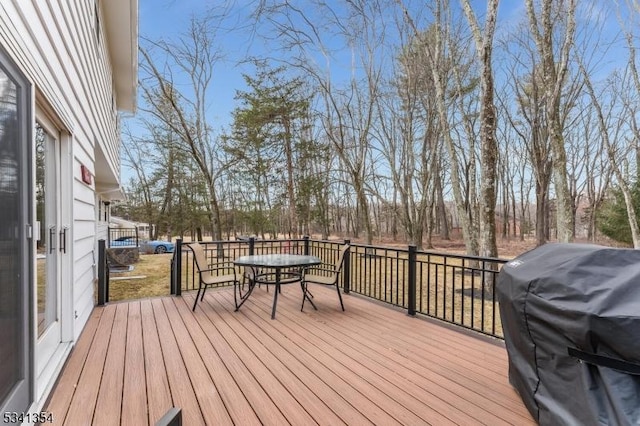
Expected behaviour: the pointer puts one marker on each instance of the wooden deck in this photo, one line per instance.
(368, 365)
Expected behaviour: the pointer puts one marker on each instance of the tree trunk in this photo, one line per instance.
(541, 215)
(441, 208)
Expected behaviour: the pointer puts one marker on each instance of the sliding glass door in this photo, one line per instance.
(15, 240)
(50, 241)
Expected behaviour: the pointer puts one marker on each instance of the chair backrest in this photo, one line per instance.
(199, 256)
(340, 262)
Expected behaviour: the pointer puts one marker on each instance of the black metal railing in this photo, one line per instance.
(103, 274)
(458, 289)
(123, 237)
(184, 273)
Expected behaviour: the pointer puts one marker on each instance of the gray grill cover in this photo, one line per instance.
(583, 299)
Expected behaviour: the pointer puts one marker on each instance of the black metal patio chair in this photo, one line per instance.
(324, 274)
(209, 275)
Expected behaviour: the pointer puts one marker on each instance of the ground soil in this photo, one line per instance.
(507, 248)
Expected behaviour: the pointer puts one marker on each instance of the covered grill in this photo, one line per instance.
(571, 320)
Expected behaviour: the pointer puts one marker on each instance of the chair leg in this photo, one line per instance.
(237, 292)
(305, 295)
(195, 302)
(203, 290)
(243, 297)
(340, 297)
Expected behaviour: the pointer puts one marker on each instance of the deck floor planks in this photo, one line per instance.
(134, 391)
(402, 406)
(342, 387)
(418, 369)
(182, 392)
(157, 381)
(376, 375)
(384, 328)
(339, 396)
(350, 336)
(318, 357)
(67, 383)
(314, 406)
(206, 392)
(442, 360)
(252, 389)
(82, 407)
(266, 375)
(235, 402)
(110, 391)
(444, 357)
(479, 396)
(259, 329)
(324, 366)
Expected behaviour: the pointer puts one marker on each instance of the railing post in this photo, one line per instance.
(252, 242)
(411, 302)
(346, 270)
(178, 271)
(173, 277)
(103, 279)
(306, 245)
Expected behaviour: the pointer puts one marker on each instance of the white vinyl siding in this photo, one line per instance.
(54, 43)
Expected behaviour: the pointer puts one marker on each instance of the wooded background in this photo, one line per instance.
(447, 121)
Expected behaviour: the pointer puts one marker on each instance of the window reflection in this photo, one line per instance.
(8, 136)
(11, 280)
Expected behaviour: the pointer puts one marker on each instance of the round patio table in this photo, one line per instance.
(275, 263)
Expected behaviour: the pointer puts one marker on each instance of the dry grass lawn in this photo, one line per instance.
(149, 278)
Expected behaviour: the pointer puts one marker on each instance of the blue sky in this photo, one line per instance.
(168, 18)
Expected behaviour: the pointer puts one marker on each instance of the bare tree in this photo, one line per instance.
(488, 144)
(410, 139)
(441, 66)
(195, 55)
(348, 111)
(542, 24)
(597, 170)
(615, 152)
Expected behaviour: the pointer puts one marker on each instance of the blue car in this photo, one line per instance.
(123, 242)
(157, 247)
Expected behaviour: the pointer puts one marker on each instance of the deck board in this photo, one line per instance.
(83, 403)
(182, 392)
(367, 365)
(436, 370)
(157, 381)
(111, 385)
(134, 407)
(66, 385)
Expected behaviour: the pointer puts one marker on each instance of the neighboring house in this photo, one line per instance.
(67, 68)
(143, 228)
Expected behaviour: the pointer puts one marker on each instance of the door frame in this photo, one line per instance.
(47, 118)
(23, 394)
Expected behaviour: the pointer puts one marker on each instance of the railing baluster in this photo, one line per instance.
(346, 270)
(103, 277)
(178, 272)
(412, 281)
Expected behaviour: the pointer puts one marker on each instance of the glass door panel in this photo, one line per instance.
(47, 229)
(15, 350)
(48, 254)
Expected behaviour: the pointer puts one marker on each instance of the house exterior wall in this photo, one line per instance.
(63, 49)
